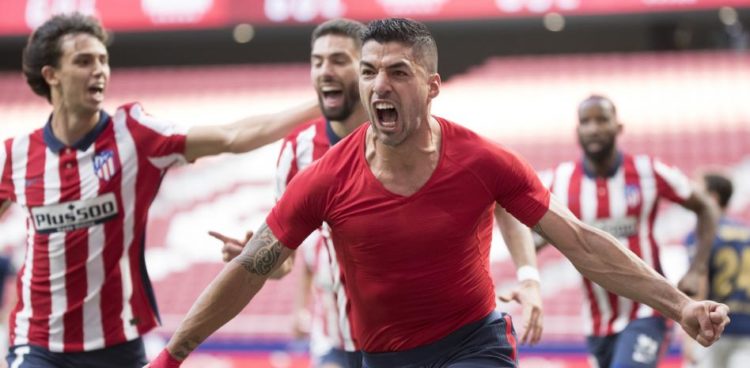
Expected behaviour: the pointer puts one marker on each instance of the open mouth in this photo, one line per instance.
(97, 91)
(332, 96)
(386, 113)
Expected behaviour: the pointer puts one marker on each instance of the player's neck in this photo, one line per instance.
(405, 168)
(603, 167)
(420, 151)
(70, 126)
(343, 128)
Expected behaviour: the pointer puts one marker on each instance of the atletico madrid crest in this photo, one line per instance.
(104, 164)
(633, 196)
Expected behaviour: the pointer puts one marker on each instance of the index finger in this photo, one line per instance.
(220, 236)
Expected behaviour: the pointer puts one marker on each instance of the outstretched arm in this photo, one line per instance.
(518, 239)
(4, 207)
(694, 281)
(246, 134)
(227, 294)
(599, 257)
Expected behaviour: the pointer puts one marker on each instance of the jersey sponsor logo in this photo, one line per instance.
(618, 227)
(74, 215)
(104, 164)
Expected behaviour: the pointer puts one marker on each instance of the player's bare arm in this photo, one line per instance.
(4, 207)
(520, 244)
(233, 247)
(707, 212)
(599, 257)
(229, 292)
(246, 134)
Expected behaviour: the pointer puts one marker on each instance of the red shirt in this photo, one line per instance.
(302, 147)
(83, 285)
(415, 268)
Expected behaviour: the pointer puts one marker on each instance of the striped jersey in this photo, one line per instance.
(330, 327)
(623, 204)
(83, 284)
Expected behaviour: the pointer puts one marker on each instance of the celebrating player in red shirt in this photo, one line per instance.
(409, 199)
(87, 180)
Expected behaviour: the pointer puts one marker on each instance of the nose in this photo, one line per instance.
(100, 67)
(381, 84)
(326, 69)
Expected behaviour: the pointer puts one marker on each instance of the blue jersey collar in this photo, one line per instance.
(333, 138)
(55, 145)
(618, 162)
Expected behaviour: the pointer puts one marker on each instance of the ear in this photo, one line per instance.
(434, 82)
(50, 75)
(620, 127)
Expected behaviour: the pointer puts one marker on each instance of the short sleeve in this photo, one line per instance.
(302, 207)
(161, 142)
(671, 183)
(517, 188)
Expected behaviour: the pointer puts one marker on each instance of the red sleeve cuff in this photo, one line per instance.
(165, 360)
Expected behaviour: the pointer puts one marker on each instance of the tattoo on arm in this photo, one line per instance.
(262, 254)
(184, 349)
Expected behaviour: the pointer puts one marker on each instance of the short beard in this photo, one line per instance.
(602, 155)
(346, 110)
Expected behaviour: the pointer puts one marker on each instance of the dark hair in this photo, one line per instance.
(721, 185)
(408, 32)
(596, 97)
(43, 46)
(342, 27)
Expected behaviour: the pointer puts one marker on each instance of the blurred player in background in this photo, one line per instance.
(334, 58)
(409, 200)
(729, 283)
(334, 61)
(86, 180)
(619, 193)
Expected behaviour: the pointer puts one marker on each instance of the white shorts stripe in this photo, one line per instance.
(21, 353)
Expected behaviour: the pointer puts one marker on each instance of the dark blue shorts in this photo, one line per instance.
(341, 358)
(126, 355)
(489, 342)
(639, 345)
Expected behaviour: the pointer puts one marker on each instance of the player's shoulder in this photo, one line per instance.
(460, 139)
(131, 111)
(311, 128)
(344, 155)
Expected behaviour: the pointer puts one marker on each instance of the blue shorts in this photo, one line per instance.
(489, 342)
(126, 355)
(341, 358)
(639, 345)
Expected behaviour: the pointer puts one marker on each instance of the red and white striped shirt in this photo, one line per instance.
(83, 284)
(330, 326)
(624, 205)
